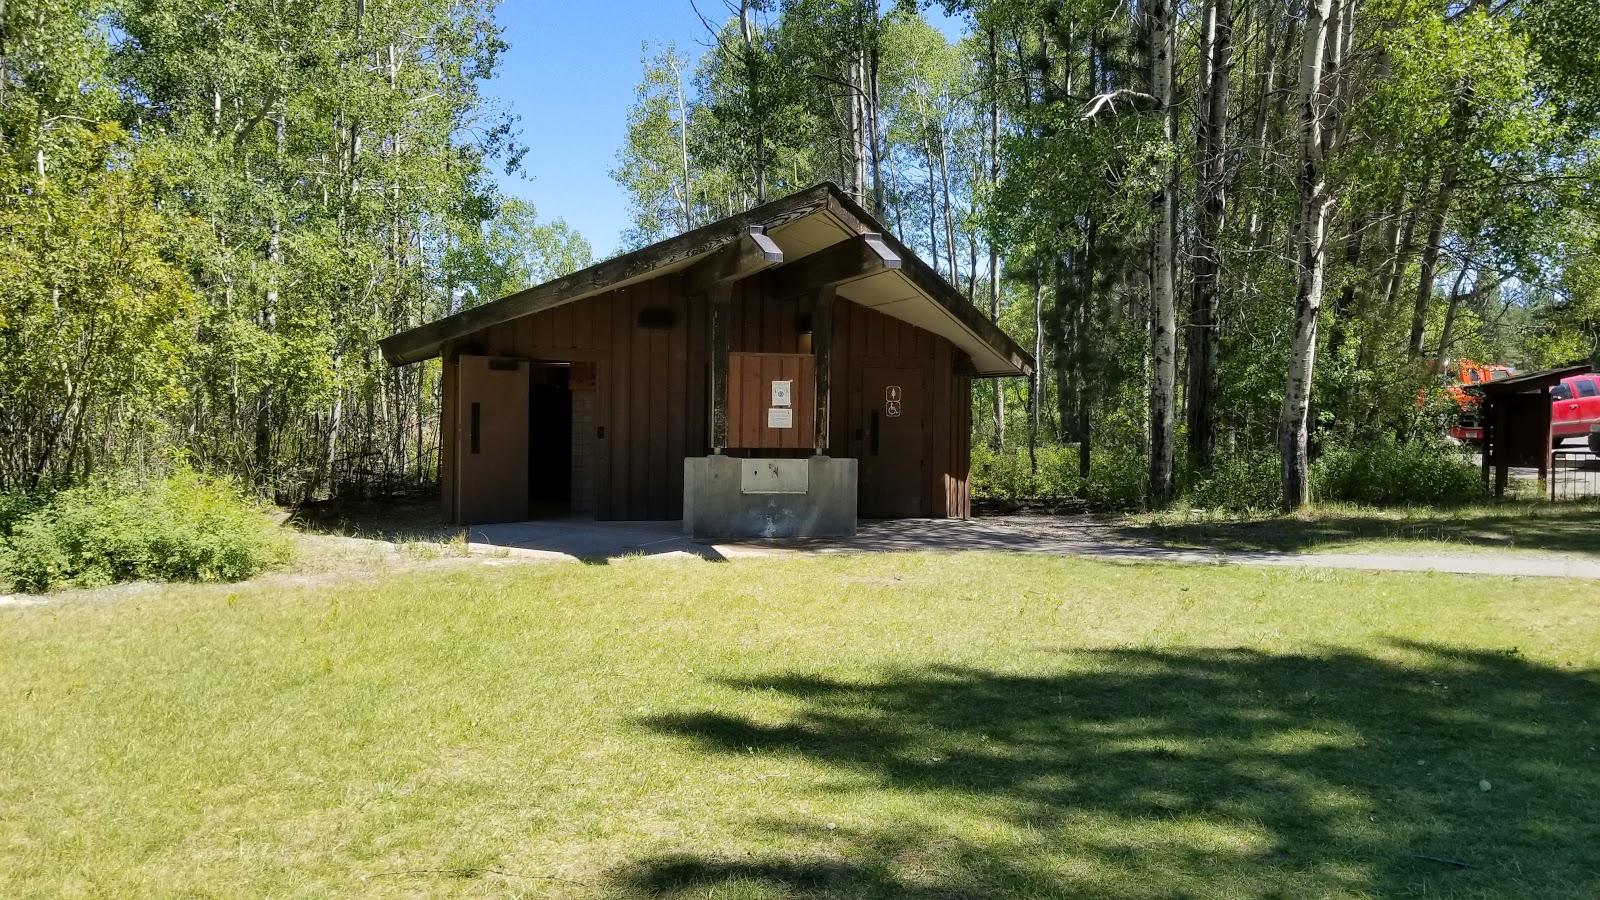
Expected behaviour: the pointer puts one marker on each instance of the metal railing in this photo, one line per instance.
(1574, 474)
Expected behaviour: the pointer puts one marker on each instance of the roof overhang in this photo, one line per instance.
(1531, 381)
(800, 224)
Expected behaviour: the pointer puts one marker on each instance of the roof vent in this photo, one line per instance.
(657, 318)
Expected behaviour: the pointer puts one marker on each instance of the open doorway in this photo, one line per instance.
(550, 441)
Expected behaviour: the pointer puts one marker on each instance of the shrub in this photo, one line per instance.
(1007, 475)
(185, 527)
(1386, 473)
(1116, 478)
(1237, 482)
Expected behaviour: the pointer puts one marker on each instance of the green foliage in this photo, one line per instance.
(93, 314)
(211, 212)
(184, 527)
(1115, 482)
(513, 251)
(1236, 482)
(1008, 475)
(1390, 473)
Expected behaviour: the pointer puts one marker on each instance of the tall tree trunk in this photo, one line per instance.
(1313, 202)
(949, 219)
(752, 67)
(933, 199)
(1451, 306)
(5, 78)
(683, 143)
(1036, 380)
(1428, 273)
(1438, 213)
(1084, 330)
(874, 134)
(994, 251)
(1344, 305)
(1163, 318)
(1211, 110)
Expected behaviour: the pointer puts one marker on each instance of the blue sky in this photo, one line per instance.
(570, 75)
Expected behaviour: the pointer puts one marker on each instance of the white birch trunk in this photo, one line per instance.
(1311, 257)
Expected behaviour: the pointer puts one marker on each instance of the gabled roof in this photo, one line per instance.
(801, 224)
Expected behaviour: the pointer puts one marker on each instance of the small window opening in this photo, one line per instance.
(476, 417)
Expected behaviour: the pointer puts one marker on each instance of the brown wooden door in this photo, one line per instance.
(491, 440)
(893, 404)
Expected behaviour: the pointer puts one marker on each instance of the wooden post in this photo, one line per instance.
(1501, 459)
(1547, 456)
(822, 346)
(1486, 441)
(721, 307)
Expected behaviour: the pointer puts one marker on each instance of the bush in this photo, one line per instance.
(1116, 478)
(1237, 482)
(1007, 475)
(185, 527)
(1386, 473)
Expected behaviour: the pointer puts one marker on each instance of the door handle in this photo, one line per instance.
(874, 432)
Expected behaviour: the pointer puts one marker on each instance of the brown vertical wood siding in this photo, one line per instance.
(750, 376)
(650, 398)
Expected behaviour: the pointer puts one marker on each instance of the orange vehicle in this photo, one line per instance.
(1467, 373)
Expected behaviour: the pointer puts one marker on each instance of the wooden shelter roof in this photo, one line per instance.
(1530, 381)
(801, 225)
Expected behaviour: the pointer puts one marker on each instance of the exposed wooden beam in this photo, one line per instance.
(822, 346)
(846, 261)
(738, 260)
(930, 282)
(721, 310)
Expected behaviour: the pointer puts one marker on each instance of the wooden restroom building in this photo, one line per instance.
(796, 330)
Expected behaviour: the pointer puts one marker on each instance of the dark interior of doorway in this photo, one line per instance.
(550, 441)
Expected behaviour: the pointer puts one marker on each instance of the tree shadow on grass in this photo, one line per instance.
(413, 517)
(1134, 773)
(1566, 528)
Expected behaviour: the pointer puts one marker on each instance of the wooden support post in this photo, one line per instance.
(822, 346)
(721, 295)
(1502, 459)
(1547, 456)
(1486, 440)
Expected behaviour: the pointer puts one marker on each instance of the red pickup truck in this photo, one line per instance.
(1574, 407)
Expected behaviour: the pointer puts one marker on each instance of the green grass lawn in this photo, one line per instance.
(867, 726)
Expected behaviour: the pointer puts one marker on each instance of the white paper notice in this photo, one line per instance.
(780, 418)
(781, 393)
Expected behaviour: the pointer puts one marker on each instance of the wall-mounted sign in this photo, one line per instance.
(780, 418)
(891, 401)
(781, 393)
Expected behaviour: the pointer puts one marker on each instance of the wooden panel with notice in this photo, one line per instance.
(772, 401)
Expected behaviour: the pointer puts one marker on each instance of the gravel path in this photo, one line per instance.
(1066, 535)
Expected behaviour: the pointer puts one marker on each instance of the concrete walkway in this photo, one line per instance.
(1064, 535)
